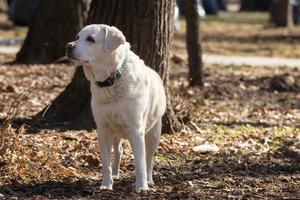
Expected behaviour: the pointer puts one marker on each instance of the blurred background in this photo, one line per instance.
(225, 24)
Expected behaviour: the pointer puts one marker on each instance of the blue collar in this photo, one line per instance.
(114, 76)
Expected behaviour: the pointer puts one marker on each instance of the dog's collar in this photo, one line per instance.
(114, 76)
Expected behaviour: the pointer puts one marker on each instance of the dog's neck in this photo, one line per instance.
(99, 72)
(119, 89)
(115, 76)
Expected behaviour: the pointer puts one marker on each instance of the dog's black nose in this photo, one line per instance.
(70, 46)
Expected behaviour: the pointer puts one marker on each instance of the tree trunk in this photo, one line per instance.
(72, 105)
(282, 13)
(3, 6)
(55, 23)
(147, 25)
(193, 44)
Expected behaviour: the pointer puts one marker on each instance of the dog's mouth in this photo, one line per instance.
(75, 60)
(70, 55)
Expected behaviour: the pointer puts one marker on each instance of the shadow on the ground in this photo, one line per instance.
(34, 125)
(243, 123)
(82, 188)
(48, 189)
(236, 165)
(6, 26)
(252, 38)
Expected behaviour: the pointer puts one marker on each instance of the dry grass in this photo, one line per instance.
(8, 134)
(10, 142)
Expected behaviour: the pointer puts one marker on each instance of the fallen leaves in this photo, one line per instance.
(234, 111)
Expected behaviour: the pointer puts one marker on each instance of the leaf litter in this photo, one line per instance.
(255, 129)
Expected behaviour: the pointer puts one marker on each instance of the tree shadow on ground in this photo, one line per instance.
(35, 125)
(246, 38)
(252, 123)
(82, 188)
(227, 164)
(254, 38)
(48, 189)
(6, 26)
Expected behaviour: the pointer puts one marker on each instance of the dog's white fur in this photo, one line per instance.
(132, 108)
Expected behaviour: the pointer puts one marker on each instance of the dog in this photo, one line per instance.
(128, 100)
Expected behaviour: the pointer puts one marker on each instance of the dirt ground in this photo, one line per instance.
(251, 114)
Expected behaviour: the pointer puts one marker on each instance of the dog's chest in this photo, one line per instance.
(112, 118)
(117, 126)
(114, 93)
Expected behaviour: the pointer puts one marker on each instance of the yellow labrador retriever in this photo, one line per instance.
(128, 100)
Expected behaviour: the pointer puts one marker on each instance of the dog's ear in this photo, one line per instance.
(113, 39)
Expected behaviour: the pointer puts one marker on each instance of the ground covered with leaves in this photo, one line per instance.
(251, 114)
(255, 126)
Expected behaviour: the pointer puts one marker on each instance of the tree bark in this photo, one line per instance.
(72, 105)
(193, 44)
(147, 25)
(3, 6)
(55, 23)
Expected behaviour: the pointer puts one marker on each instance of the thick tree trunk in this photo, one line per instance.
(72, 105)
(55, 23)
(3, 6)
(193, 44)
(147, 25)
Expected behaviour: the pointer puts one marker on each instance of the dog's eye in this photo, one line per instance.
(77, 37)
(90, 39)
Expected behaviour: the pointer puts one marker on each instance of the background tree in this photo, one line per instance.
(282, 13)
(54, 24)
(2, 6)
(193, 43)
(147, 25)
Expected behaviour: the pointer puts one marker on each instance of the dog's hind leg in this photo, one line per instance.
(152, 139)
(137, 142)
(117, 154)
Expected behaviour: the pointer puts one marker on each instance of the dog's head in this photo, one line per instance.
(95, 44)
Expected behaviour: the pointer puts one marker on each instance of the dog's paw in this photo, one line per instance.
(142, 190)
(116, 177)
(150, 182)
(103, 187)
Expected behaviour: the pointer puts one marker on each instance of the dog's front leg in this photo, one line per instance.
(118, 150)
(105, 144)
(137, 142)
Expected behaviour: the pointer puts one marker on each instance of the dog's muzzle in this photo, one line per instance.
(69, 50)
